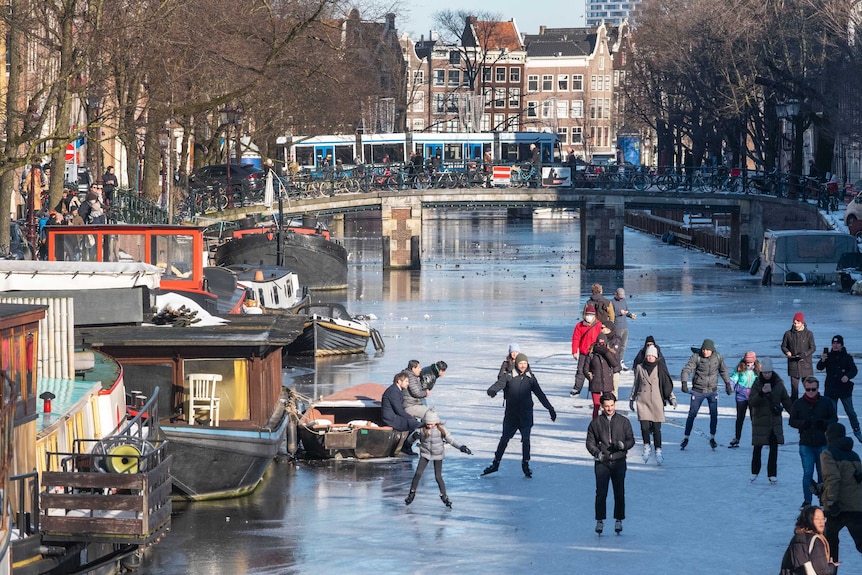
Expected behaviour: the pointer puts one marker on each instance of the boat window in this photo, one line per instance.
(813, 248)
(260, 297)
(232, 390)
(275, 295)
(142, 379)
(174, 254)
(131, 247)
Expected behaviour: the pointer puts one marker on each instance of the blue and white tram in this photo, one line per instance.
(451, 148)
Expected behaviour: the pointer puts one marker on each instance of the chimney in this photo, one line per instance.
(390, 21)
(541, 30)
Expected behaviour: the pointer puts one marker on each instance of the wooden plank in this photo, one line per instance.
(156, 519)
(84, 526)
(93, 502)
(159, 495)
(81, 480)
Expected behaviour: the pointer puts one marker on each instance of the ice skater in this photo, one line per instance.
(432, 440)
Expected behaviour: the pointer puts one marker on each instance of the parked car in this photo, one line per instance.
(82, 181)
(849, 270)
(853, 211)
(249, 176)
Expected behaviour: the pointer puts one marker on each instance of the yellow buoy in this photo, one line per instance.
(123, 459)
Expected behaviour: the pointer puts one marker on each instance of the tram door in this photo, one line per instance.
(474, 151)
(434, 151)
(320, 153)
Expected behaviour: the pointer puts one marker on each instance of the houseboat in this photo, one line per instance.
(801, 257)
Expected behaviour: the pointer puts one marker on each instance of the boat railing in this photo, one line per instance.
(26, 486)
(114, 490)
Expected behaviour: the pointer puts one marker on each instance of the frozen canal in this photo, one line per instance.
(485, 283)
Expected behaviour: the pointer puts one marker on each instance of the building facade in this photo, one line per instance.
(610, 11)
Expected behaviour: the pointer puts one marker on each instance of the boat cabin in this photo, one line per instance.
(798, 257)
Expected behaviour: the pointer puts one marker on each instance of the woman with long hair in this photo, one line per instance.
(808, 551)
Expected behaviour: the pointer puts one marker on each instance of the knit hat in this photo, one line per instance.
(430, 417)
(520, 357)
(650, 339)
(708, 344)
(838, 339)
(799, 317)
(602, 338)
(750, 356)
(590, 309)
(765, 364)
(514, 347)
(835, 431)
(651, 350)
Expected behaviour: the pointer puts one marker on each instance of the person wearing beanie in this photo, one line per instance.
(509, 363)
(621, 323)
(583, 337)
(639, 358)
(840, 371)
(704, 366)
(767, 399)
(743, 378)
(518, 387)
(811, 414)
(842, 488)
(798, 346)
(432, 443)
(651, 391)
(602, 364)
(614, 344)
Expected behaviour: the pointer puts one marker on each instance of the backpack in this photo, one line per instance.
(603, 311)
(84, 211)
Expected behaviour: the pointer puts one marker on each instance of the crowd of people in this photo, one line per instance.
(831, 470)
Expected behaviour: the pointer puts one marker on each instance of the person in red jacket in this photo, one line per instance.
(583, 337)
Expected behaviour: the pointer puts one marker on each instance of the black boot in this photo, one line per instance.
(409, 499)
(525, 466)
(445, 500)
(495, 465)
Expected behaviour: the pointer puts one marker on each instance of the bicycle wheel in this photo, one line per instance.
(640, 182)
(698, 183)
(664, 182)
(222, 201)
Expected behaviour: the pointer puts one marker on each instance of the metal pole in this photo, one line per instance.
(31, 212)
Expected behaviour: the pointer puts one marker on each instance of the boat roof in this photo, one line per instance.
(362, 395)
(245, 272)
(778, 233)
(17, 275)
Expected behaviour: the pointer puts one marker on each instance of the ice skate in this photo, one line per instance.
(646, 454)
(659, 458)
(600, 526)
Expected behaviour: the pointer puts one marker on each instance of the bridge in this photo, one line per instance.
(602, 215)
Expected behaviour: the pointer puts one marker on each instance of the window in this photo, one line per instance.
(499, 97)
(548, 109)
(454, 78)
(439, 78)
(419, 102)
(418, 77)
(486, 74)
(499, 121)
(563, 135)
(514, 97)
(577, 135)
(577, 82)
(532, 109)
(512, 123)
(592, 108)
(562, 108)
(488, 97)
(607, 83)
(577, 108)
(616, 78)
(500, 74)
(593, 83)
(515, 75)
(418, 125)
(452, 103)
(439, 103)
(486, 122)
(607, 109)
(563, 83)
(547, 83)
(601, 63)
(532, 83)
(454, 58)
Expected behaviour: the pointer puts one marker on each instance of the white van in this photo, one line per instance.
(797, 257)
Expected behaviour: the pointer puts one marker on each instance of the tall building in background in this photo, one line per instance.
(610, 12)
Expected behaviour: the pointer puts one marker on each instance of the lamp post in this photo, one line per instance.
(164, 142)
(791, 110)
(230, 117)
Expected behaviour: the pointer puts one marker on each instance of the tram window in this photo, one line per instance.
(453, 152)
(304, 155)
(344, 153)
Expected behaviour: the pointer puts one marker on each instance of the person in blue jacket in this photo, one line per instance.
(743, 378)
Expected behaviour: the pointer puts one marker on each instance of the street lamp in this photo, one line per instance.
(230, 117)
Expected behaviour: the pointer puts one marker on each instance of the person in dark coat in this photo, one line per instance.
(615, 345)
(602, 363)
(639, 358)
(609, 438)
(808, 552)
(840, 371)
(393, 414)
(766, 400)
(811, 414)
(583, 337)
(518, 386)
(109, 184)
(798, 346)
(842, 488)
(415, 396)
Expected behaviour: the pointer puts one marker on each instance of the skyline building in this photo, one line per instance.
(610, 11)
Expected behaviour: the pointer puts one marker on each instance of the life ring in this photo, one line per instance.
(665, 236)
(123, 459)
(292, 437)
(767, 277)
(755, 266)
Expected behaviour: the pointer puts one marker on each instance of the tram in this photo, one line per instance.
(450, 147)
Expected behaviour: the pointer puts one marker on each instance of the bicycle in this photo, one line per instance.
(525, 175)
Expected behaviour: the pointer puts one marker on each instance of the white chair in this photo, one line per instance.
(202, 396)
